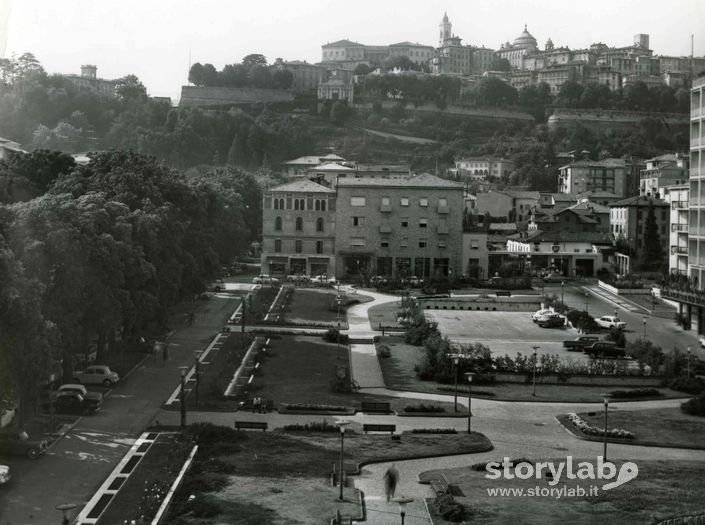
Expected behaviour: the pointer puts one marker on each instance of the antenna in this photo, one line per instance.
(691, 60)
(189, 66)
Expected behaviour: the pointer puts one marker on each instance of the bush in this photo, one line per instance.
(312, 407)
(434, 431)
(383, 351)
(638, 392)
(483, 466)
(424, 408)
(449, 509)
(323, 426)
(693, 385)
(333, 336)
(589, 430)
(695, 406)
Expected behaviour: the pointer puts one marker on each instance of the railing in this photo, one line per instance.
(679, 205)
(679, 227)
(697, 298)
(679, 249)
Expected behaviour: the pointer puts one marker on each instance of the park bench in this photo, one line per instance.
(503, 293)
(383, 408)
(251, 425)
(440, 485)
(372, 427)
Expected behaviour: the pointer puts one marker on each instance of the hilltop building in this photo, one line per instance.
(88, 79)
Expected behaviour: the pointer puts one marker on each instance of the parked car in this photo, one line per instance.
(92, 398)
(324, 280)
(263, 278)
(298, 278)
(610, 321)
(538, 314)
(4, 474)
(70, 402)
(412, 281)
(378, 280)
(553, 278)
(605, 350)
(97, 375)
(551, 321)
(217, 286)
(18, 442)
(579, 343)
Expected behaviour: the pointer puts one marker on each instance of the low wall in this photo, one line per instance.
(486, 304)
(580, 379)
(624, 291)
(218, 96)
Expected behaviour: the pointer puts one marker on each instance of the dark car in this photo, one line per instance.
(579, 343)
(551, 321)
(70, 402)
(605, 350)
(18, 443)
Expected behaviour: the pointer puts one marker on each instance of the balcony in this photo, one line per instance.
(690, 297)
(682, 250)
(679, 227)
(679, 205)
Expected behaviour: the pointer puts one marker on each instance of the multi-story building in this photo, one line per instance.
(481, 168)
(611, 175)
(696, 223)
(305, 76)
(348, 55)
(399, 226)
(662, 171)
(89, 80)
(419, 54)
(524, 44)
(298, 229)
(677, 196)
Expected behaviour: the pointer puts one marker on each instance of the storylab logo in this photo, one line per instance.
(565, 478)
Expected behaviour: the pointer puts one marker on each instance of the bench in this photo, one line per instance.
(383, 408)
(251, 425)
(503, 293)
(371, 427)
(440, 485)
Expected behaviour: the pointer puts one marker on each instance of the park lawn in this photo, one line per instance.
(666, 427)
(277, 477)
(311, 305)
(399, 374)
(662, 489)
(386, 314)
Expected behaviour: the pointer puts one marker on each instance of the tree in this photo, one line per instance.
(196, 74)
(500, 64)
(254, 59)
(129, 87)
(651, 255)
(569, 94)
(362, 69)
(492, 91)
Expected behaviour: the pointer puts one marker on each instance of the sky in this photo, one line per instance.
(157, 40)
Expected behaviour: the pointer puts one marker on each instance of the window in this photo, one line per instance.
(441, 244)
(423, 223)
(298, 246)
(277, 245)
(404, 242)
(319, 224)
(422, 242)
(405, 222)
(357, 201)
(278, 224)
(386, 201)
(423, 202)
(384, 243)
(442, 203)
(319, 246)
(357, 221)
(404, 201)
(357, 241)
(299, 224)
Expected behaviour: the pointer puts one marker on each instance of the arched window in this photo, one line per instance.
(318, 205)
(296, 204)
(276, 204)
(299, 224)
(319, 224)
(278, 224)
(323, 205)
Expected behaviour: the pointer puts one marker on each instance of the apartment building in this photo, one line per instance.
(628, 222)
(610, 175)
(662, 171)
(678, 197)
(696, 222)
(399, 226)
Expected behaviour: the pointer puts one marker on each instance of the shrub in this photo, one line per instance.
(449, 509)
(695, 406)
(638, 392)
(483, 466)
(309, 406)
(333, 336)
(693, 385)
(314, 426)
(588, 429)
(434, 431)
(383, 351)
(424, 408)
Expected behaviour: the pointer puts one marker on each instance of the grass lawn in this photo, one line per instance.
(398, 372)
(277, 477)
(384, 314)
(661, 490)
(668, 427)
(312, 305)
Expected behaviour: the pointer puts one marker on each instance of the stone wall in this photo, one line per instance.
(223, 96)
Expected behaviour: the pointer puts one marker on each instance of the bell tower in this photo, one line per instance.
(445, 30)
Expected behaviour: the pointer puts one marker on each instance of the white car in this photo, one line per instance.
(263, 278)
(610, 321)
(541, 314)
(324, 280)
(97, 375)
(4, 474)
(298, 278)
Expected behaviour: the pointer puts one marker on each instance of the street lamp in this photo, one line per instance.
(455, 398)
(562, 285)
(587, 296)
(182, 396)
(403, 501)
(688, 365)
(615, 311)
(469, 376)
(198, 373)
(64, 508)
(644, 321)
(243, 307)
(604, 445)
(341, 425)
(533, 393)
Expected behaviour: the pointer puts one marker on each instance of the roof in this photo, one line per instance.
(503, 226)
(606, 163)
(407, 44)
(564, 236)
(638, 200)
(587, 206)
(425, 180)
(341, 43)
(332, 157)
(517, 194)
(332, 166)
(303, 185)
(310, 160)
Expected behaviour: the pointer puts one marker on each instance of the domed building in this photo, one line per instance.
(524, 44)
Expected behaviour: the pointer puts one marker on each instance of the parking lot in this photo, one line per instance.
(504, 332)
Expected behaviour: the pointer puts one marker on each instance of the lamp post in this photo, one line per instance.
(198, 373)
(182, 396)
(469, 376)
(562, 285)
(64, 508)
(243, 306)
(688, 364)
(644, 321)
(604, 444)
(341, 425)
(455, 398)
(403, 501)
(533, 393)
(615, 311)
(587, 296)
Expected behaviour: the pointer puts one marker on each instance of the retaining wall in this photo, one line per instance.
(487, 304)
(580, 379)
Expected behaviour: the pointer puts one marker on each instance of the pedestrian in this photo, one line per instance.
(391, 478)
(256, 404)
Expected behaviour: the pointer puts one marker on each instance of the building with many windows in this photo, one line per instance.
(88, 80)
(611, 175)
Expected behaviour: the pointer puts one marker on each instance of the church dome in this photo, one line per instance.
(525, 39)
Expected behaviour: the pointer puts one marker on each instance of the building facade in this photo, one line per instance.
(89, 80)
(607, 175)
(628, 222)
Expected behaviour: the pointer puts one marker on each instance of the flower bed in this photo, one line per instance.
(434, 431)
(424, 408)
(299, 407)
(585, 428)
(323, 426)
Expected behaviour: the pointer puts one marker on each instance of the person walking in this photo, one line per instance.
(391, 478)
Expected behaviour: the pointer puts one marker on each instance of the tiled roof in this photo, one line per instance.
(606, 163)
(564, 236)
(303, 185)
(311, 160)
(638, 200)
(340, 43)
(425, 180)
(332, 166)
